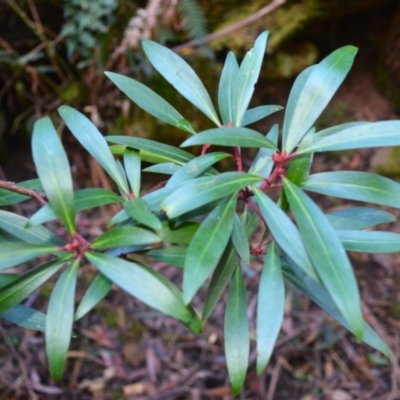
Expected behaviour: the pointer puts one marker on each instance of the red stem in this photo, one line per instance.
(238, 158)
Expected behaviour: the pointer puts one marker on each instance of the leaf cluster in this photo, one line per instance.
(200, 219)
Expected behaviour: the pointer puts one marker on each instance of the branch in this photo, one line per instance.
(233, 28)
(36, 194)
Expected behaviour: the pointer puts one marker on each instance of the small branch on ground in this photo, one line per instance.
(36, 194)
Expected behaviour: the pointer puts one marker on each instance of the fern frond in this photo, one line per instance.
(194, 19)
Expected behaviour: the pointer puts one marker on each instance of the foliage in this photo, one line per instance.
(200, 219)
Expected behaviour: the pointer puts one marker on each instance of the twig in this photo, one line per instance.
(233, 28)
(238, 158)
(36, 194)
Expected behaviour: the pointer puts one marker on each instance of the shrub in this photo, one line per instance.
(201, 219)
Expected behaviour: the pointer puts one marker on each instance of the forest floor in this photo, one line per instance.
(123, 350)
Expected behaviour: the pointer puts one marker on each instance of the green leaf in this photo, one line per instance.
(358, 218)
(196, 167)
(376, 134)
(8, 198)
(201, 191)
(226, 89)
(84, 199)
(149, 101)
(173, 255)
(236, 332)
(147, 285)
(21, 288)
(207, 247)
(299, 169)
(59, 320)
(294, 96)
(26, 317)
(221, 277)
(262, 164)
(138, 210)
(370, 241)
(152, 151)
(335, 129)
(13, 254)
(93, 141)
(16, 226)
(323, 299)
(316, 92)
(181, 76)
(285, 232)
(124, 236)
(247, 77)
(182, 234)
(52, 163)
(6, 279)
(239, 240)
(328, 256)
(270, 307)
(257, 113)
(98, 289)
(133, 170)
(163, 168)
(230, 136)
(355, 185)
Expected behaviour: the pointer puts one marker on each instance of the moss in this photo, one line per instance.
(386, 162)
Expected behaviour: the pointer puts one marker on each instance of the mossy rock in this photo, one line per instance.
(386, 162)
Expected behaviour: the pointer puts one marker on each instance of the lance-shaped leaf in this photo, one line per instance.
(226, 89)
(294, 96)
(257, 113)
(239, 240)
(370, 241)
(163, 168)
(247, 77)
(173, 255)
(196, 167)
(181, 76)
(376, 134)
(328, 256)
(358, 218)
(323, 299)
(152, 151)
(21, 288)
(26, 317)
(335, 129)
(285, 232)
(207, 247)
(96, 292)
(262, 164)
(354, 185)
(183, 233)
(139, 211)
(59, 319)
(93, 141)
(6, 279)
(148, 286)
(51, 164)
(150, 101)
(201, 191)
(16, 226)
(7, 197)
(124, 236)
(221, 277)
(133, 170)
(270, 307)
(236, 332)
(84, 199)
(316, 92)
(13, 254)
(230, 136)
(299, 169)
